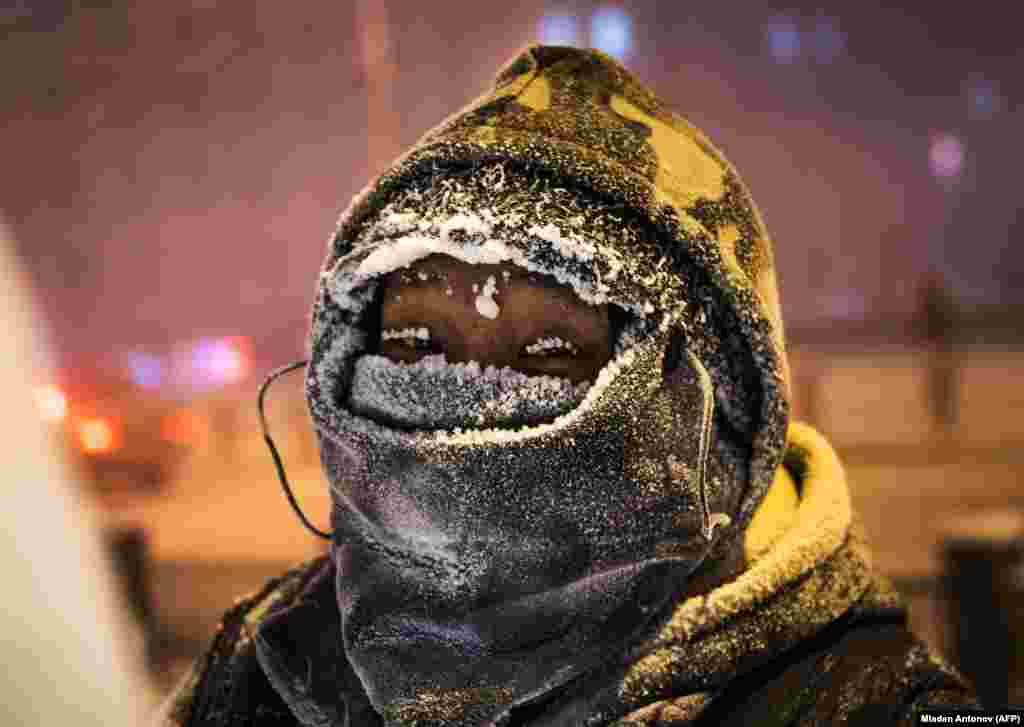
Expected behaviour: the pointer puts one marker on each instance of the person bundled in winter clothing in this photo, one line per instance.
(550, 388)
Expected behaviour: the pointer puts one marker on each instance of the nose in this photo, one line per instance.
(484, 341)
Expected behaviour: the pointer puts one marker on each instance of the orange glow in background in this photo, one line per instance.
(184, 427)
(97, 435)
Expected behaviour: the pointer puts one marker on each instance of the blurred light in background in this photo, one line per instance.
(946, 155)
(559, 29)
(984, 99)
(611, 31)
(53, 405)
(219, 361)
(783, 38)
(184, 427)
(97, 435)
(145, 369)
(827, 41)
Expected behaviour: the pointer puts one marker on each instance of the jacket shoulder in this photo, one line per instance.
(881, 674)
(858, 673)
(228, 682)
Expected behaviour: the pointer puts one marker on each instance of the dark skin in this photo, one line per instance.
(531, 307)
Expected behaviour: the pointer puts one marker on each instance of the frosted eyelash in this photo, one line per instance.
(550, 345)
(417, 337)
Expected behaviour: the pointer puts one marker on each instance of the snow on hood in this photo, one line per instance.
(610, 172)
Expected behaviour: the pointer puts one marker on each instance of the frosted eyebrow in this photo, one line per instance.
(406, 278)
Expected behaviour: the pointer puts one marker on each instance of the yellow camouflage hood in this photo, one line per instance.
(579, 117)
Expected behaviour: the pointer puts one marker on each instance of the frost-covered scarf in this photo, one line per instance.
(497, 535)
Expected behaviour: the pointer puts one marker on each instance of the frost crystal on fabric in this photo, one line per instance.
(499, 215)
(433, 394)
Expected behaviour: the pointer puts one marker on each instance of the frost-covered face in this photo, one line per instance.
(518, 489)
(499, 315)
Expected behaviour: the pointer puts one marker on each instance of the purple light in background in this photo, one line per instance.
(216, 362)
(145, 369)
(783, 38)
(559, 29)
(946, 155)
(827, 41)
(611, 31)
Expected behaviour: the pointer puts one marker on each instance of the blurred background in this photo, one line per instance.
(172, 172)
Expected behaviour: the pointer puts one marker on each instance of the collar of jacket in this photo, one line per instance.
(808, 565)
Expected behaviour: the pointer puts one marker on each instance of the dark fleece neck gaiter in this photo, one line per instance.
(498, 535)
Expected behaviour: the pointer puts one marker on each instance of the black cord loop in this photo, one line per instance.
(271, 378)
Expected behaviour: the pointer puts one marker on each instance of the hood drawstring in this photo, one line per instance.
(278, 464)
(709, 521)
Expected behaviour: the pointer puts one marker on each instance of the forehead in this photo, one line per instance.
(439, 270)
(439, 283)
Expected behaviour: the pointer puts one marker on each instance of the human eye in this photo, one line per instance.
(551, 347)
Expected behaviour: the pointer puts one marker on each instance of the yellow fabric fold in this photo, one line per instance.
(810, 566)
(773, 517)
